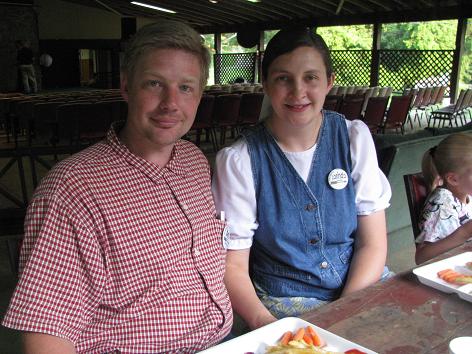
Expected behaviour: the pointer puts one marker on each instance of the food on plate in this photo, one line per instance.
(469, 265)
(453, 277)
(305, 340)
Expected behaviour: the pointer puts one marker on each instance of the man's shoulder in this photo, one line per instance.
(191, 153)
(75, 167)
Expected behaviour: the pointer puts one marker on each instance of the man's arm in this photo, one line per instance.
(40, 343)
(370, 252)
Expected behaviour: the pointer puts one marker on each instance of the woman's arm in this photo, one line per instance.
(40, 343)
(241, 291)
(370, 252)
(427, 250)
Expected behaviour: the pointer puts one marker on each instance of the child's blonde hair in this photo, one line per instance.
(452, 154)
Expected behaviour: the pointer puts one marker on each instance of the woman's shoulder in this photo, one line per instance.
(236, 153)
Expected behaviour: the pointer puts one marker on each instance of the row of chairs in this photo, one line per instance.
(67, 123)
(460, 109)
(380, 114)
(374, 91)
(221, 112)
(235, 88)
(11, 105)
(426, 99)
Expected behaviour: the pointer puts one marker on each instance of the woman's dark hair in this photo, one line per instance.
(289, 39)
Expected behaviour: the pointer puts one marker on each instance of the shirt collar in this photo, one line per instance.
(175, 164)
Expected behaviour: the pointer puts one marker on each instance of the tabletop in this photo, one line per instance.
(400, 315)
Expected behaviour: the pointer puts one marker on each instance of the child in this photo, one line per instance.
(444, 224)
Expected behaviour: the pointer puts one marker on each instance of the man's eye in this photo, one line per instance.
(186, 88)
(153, 83)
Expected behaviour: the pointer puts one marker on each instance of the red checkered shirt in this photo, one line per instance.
(120, 255)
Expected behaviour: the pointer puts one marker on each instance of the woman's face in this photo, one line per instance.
(297, 85)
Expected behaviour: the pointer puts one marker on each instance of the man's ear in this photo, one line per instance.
(124, 86)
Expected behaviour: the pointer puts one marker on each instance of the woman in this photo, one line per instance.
(302, 192)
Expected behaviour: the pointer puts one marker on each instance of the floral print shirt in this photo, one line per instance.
(442, 215)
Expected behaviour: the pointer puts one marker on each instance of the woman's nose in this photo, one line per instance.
(298, 89)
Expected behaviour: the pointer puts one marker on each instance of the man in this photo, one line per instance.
(122, 249)
(25, 65)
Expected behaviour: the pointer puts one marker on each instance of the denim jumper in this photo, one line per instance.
(304, 243)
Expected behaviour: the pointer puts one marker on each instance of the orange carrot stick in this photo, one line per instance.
(299, 334)
(287, 337)
(308, 339)
(317, 340)
(443, 272)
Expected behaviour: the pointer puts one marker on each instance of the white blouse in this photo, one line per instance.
(233, 184)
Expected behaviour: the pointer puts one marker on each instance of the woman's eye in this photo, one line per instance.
(281, 78)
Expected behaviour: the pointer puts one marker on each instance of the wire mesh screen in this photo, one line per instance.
(352, 67)
(415, 68)
(398, 68)
(228, 67)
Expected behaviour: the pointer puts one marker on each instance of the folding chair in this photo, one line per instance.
(397, 113)
(204, 121)
(375, 113)
(250, 108)
(351, 106)
(416, 193)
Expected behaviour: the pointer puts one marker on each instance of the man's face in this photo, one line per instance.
(163, 95)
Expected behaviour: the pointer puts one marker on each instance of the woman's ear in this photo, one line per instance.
(330, 81)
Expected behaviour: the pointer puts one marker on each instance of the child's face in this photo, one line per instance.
(462, 182)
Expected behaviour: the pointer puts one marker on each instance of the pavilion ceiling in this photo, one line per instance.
(235, 15)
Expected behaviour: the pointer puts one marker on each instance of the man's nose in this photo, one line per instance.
(168, 98)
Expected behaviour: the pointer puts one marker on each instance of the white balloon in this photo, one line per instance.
(45, 60)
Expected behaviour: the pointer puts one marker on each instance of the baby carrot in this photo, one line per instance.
(287, 337)
(444, 271)
(299, 334)
(307, 338)
(317, 340)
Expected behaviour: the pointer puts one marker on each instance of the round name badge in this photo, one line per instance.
(225, 237)
(337, 178)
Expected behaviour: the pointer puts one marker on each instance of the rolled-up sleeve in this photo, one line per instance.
(373, 190)
(234, 193)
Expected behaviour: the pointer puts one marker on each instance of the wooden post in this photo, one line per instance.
(456, 60)
(260, 50)
(217, 66)
(375, 63)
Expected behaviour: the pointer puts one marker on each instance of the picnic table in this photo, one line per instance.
(400, 315)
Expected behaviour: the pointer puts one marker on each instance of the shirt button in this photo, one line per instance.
(324, 264)
(310, 207)
(185, 206)
(196, 252)
(313, 241)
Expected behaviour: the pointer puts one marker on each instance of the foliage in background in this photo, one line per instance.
(431, 35)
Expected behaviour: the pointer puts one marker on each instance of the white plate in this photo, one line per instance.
(258, 340)
(428, 274)
(465, 292)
